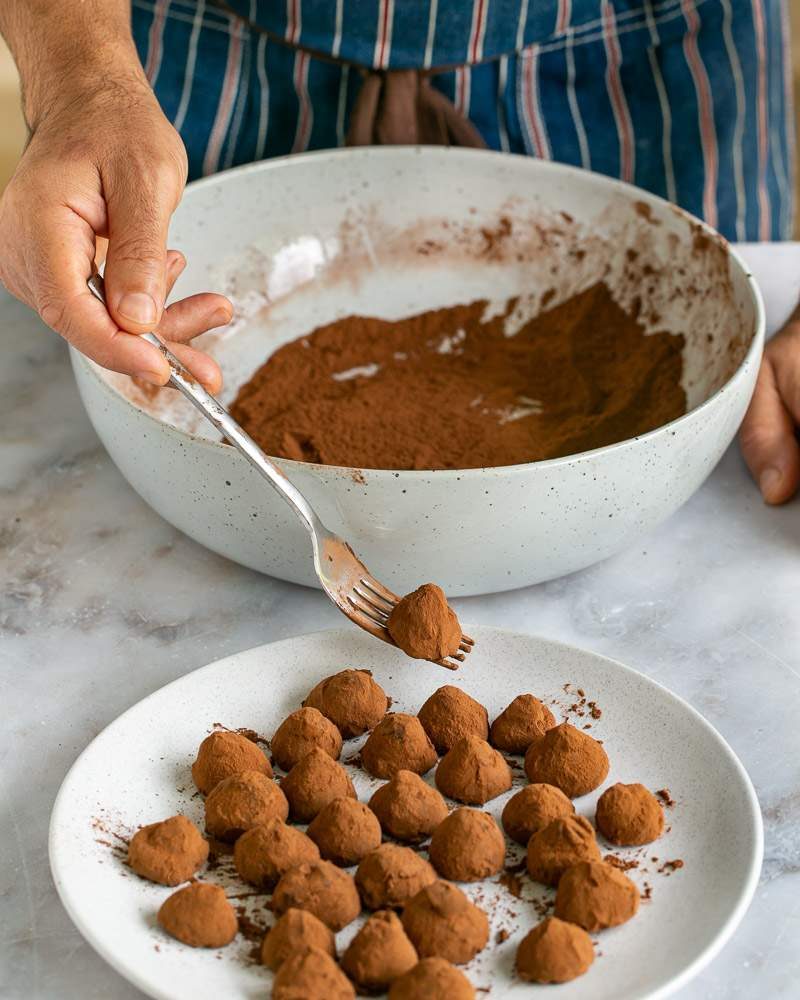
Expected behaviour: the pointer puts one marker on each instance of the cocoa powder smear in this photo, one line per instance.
(448, 389)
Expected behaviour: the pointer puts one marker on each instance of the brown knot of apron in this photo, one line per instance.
(400, 107)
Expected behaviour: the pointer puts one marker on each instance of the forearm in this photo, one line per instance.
(62, 47)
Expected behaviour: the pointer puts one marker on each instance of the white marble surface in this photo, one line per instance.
(101, 602)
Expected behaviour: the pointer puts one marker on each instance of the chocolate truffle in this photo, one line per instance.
(473, 772)
(432, 979)
(560, 845)
(554, 952)
(241, 802)
(379, 953)
(567, 758)
(311, 974)
(408, 808)
(293, 932)
(169, 852)
(532, 808)
(397, 743)
(391, 875)
(312, 783)
(520, 723)
(199, 915)
(322, 889)
(345, 831)
(300, 733)
(467, 846)
(595, 895)
(629, 815)
(265, 852)
(424, 625)
(440, 920)
(223, 754)
(449, 714)
(351, 699)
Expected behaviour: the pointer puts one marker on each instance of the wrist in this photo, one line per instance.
(111, 68)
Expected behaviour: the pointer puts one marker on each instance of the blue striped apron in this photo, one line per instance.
(690, 99)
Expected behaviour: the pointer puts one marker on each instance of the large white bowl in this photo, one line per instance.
(391, 231)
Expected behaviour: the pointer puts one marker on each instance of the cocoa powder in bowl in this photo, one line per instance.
(358, 392)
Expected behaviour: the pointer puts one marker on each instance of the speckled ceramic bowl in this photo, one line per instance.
(389, 232)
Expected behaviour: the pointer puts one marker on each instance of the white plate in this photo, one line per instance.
(137, 771)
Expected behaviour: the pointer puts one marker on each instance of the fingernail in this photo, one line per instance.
(769, 482)
(154, 378)
(138, 307)
(221, 317)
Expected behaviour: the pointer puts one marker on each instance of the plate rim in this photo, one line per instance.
(693, 969)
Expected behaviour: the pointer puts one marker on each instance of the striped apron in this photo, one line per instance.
(690, 99)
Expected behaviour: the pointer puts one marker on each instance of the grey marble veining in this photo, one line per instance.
(101, 602)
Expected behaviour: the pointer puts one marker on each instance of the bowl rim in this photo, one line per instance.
(533, 163)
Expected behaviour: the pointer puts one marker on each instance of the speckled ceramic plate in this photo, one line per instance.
(137, 771)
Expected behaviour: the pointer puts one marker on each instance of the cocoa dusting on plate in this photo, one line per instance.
(665, 797)
(465, 387)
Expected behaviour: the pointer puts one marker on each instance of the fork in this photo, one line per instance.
(344, 578)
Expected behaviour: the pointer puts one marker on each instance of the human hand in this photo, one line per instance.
(768, 436)
(105, 162)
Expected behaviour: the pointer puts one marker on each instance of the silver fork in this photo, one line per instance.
(344, 578)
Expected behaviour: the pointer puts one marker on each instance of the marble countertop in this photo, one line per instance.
(102, 602)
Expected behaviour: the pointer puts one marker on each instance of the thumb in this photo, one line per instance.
(136, 273)
(768, 440)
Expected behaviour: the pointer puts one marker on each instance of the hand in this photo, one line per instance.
(106, 163)
(769, 432)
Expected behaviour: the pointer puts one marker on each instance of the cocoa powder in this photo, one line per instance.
(450, 389)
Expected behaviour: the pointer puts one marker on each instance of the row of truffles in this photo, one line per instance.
(438, 927)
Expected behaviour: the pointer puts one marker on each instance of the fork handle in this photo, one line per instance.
(216, 413)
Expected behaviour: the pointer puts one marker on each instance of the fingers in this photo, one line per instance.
(176, 263)
(139, 210)
(188, 318)
(768, 440)
(58, 275)
(202, 366)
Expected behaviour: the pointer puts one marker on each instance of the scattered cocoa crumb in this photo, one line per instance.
(502, 935)
(647, 892)
(594, 710)
(666, 798)
(512, 882)
(621, 863)
(670, 866)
